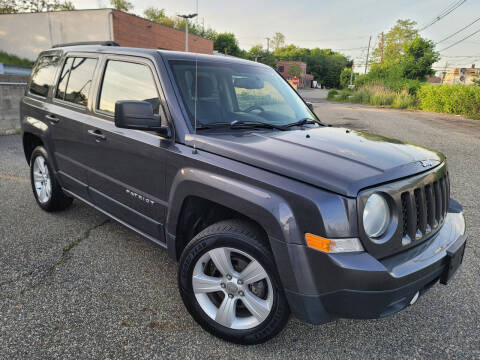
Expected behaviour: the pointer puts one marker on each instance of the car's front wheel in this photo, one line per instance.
(229, 283)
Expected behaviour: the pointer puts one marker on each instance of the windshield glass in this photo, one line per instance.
(221, 93)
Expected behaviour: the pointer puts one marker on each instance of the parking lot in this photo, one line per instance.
(77, 285)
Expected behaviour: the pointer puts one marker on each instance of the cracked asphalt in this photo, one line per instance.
(76, 285)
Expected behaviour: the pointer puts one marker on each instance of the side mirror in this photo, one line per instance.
(310, 106)
(138, 115)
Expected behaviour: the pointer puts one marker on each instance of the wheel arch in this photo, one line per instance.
(229, 198)
(30, 142)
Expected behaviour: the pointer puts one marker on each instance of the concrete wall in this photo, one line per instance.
(25, 35)
(11, 91)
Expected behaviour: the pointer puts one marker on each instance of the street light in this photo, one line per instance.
(186, 17)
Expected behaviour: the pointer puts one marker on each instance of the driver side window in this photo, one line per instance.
(267, 98)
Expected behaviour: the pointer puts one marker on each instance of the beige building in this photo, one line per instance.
(27, 34)
(463, 76)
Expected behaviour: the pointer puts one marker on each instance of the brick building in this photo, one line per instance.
(304, 80)
(27, 34)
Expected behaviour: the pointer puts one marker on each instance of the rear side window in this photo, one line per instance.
(75, 81)
(127, 81)
(43, 75)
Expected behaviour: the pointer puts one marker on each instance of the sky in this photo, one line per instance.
(343, 25)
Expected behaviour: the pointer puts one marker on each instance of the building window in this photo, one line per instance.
(281, 69)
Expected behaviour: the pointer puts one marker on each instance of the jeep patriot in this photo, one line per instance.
(268, 211)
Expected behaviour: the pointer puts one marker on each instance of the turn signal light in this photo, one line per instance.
(333, 245)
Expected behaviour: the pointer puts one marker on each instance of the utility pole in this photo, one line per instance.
(186, 17)
(381, 47)
(444, 72)
(268, 44)
(351, 75)
(368, 53)
(196, 9)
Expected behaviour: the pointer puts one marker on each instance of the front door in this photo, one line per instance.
(126, 168)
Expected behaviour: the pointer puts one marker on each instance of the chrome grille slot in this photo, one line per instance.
(424, 209)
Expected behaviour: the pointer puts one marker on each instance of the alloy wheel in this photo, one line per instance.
(232, 288)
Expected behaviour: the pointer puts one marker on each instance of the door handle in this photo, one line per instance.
(98, 135)
(52, 118)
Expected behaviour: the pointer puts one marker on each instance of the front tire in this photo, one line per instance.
(229, 283)
(47, 191)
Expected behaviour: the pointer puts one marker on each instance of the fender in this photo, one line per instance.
(270, 210)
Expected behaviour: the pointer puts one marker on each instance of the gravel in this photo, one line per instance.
(77, 285)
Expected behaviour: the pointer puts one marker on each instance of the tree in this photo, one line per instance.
(122, 5)
(294, 70)
(395, 40)
(155, 15)
(278, 41)
(8, 7)
(226, 43)
(345, 77)
(262, 55)
(419, 56)
(11, 6)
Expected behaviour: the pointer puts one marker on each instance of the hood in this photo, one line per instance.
(337, 159)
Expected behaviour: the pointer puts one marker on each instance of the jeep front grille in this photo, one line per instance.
(424, 209)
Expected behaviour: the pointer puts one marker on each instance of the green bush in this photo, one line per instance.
(452, 99)
(382, 99)
(14, 60)
(332, 94)
(404, 100)
(344, 95)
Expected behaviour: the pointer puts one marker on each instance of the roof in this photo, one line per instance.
(166, 54)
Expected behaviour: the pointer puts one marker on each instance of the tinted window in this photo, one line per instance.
(62, 82)
(127, 81)
(75, 80)
(219, 93)
(43, 75)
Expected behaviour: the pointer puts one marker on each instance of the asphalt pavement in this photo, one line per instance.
(76, 285)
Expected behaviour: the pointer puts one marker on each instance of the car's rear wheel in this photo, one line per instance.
(47, 191)
(229, 283)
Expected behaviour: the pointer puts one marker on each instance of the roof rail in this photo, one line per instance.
(103, 43)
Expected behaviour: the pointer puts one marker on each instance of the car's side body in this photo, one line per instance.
(169, 188)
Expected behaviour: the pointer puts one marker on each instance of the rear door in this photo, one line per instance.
(126, 168)
(36, 104)
(67, 115)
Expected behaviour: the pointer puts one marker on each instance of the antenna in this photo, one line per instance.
(196, 101)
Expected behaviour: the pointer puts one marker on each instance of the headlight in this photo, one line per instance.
(376, 216)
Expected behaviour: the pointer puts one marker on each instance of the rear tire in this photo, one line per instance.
(229, 283)
(48, 193)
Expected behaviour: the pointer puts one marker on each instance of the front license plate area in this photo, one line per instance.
(454, 259)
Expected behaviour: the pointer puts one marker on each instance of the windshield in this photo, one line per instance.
(222, 93)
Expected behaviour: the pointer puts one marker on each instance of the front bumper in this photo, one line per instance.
(356, 285)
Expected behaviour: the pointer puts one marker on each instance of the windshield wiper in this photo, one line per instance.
(252, 124)
(240, 124)
(301, 122)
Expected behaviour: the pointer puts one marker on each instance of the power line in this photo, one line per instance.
(444, 13)
(459, 41)
(455, 33)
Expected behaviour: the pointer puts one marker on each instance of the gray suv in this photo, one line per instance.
(268, 211)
